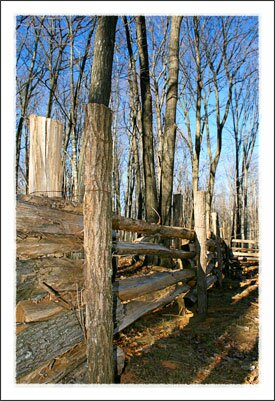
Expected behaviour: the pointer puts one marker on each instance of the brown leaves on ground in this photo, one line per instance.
(169, 365)
(162, 347)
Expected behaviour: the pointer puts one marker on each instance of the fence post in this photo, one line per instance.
(97, 211)
(45, 162)
(201, 238)
(177, 215)
(216, 231)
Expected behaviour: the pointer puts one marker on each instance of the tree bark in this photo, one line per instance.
(43, 342)
(98, 208)
(98, 242)
(151, 202)
(169, 136)
(100, 88)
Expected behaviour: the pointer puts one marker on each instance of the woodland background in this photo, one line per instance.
(215, 116)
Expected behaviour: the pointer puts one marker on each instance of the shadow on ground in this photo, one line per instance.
(223, 349)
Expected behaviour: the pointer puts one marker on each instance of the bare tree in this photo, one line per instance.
(169, 137)
(226, 54)
(136, 118)
(25, 88)
(151, 202)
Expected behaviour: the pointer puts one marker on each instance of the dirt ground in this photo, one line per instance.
(164, 348)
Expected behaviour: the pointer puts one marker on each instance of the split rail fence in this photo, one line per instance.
(50, 316)
(50, 309)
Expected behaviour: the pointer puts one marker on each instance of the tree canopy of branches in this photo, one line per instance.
(184, 95)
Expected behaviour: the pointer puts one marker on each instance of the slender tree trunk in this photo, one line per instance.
(151, 202)
(137, 122)
(100, 88)
(160, 133)
(169, 137)
(26, 99)
(72, 116)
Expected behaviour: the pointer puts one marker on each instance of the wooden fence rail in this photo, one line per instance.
(50, 310)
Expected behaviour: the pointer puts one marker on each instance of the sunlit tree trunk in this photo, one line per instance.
(151, 202)
(169, 137)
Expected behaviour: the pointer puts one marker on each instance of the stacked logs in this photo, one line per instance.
(50, 318)
(50, 311)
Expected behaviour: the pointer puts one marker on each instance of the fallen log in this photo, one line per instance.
(135, 287)
(248, 282)
(42, 342)
(249, 269)
(236, 298)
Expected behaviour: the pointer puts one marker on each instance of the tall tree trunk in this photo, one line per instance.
(100, 88)
(98, 209)
(151, 202)
(27, 95)
(136, 119)
(169, 137)
(72, 115)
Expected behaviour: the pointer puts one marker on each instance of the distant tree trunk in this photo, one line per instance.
(25, 101)
(151, 202)
(116, 172)
(54, 68)
(72, 115)
(136, 119)
(76, 94)
(98, 209)
(169, 137)
(238, 210)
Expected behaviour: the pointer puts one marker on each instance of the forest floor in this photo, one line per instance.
(165, 348)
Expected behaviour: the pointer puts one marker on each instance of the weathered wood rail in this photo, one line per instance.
(50, 284)
(245, 249)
